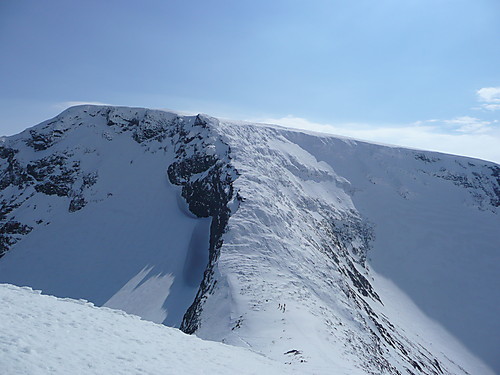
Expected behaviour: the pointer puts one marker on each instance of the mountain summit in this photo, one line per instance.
(328, 254)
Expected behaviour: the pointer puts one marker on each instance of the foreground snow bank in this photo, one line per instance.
(42, 334)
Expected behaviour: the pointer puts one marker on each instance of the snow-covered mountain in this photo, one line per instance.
(328, 254)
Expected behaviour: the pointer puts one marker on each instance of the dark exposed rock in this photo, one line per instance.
(7, 152)
(40, 141)
(147, 130)
(425, 158)
(42, 168)
(89, 179)
(495, 198)
(12, 173)
(484, 189)
(180, 172)
(77, 203)
(55, 174)
(9, 234)
(114, 119)
(206, 182)
(6, 208)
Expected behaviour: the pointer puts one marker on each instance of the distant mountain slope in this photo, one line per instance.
(314, 250)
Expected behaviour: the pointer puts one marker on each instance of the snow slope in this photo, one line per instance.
(42, 334)
(299, 188)
(437, 231)
(137, 248)
(316, 251)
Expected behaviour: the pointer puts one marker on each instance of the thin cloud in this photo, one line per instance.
(467, 136)
(491, 107)
(467, 124)
(490, 96)
(64, 105)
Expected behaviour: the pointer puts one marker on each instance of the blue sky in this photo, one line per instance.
(419, 73)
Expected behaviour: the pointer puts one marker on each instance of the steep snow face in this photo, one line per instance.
(42, 334)
(293, 262)
(91, 213)
(328, 254)
(436, 220)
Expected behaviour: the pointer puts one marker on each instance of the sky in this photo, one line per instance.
(417, 73)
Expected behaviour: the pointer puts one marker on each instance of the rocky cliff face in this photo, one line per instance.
(302, 247)
(207, 186)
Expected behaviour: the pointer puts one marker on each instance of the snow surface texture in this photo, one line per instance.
(323, 253)
(42, 335)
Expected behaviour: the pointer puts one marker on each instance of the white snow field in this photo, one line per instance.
(329, 255)
(42, 335)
